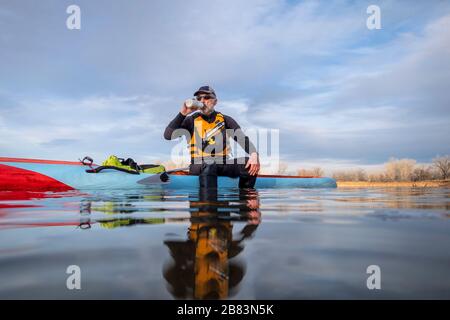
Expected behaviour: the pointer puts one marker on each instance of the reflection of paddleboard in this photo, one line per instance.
(48, 175)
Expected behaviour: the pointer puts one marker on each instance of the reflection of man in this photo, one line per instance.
(202, 268)
(207, 132)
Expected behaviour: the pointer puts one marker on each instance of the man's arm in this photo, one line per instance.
(179, 122)
(252, 164)
(176, 123)
(239, 136)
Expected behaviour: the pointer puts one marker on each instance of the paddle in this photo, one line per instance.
(159, 177)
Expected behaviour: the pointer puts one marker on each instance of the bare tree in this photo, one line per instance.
(442, 164)
(316, 172)
(361, 175)
(282, 168)
(378, 177)
(339, 176)
(351, 175)
(303, 172)
(399, 170)
(422, 173)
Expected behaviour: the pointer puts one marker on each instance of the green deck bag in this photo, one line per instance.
(114, 161)
(152, 168)
(131, 165)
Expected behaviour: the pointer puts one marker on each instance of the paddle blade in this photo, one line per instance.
(155, 179)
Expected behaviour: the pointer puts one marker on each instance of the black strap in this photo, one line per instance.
(130, 162)
(87, 161)
(98, 169)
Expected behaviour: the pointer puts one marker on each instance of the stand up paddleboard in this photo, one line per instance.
(50, 175)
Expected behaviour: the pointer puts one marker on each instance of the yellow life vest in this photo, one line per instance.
(209, 139)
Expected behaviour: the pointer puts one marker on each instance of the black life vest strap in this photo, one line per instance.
(98, 169)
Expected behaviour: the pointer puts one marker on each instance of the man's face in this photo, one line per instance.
(209, 101)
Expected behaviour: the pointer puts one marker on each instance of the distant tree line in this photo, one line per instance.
(315, 172)
(394, 170)
(400, 170)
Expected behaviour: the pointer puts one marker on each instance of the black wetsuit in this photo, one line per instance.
(234, 169)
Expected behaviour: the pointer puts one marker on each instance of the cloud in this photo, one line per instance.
(94, 125)
(156, 45)
(59, 142)
(370, 108)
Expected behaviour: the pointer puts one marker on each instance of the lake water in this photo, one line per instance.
(265, 244)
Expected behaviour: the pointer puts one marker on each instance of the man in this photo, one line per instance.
(208, 132)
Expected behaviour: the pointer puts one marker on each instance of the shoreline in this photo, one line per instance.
(408, 184)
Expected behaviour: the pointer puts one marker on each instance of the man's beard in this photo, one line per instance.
(207, 110)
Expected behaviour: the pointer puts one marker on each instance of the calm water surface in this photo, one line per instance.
(265, 244)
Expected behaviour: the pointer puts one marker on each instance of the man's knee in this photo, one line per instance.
(208, 169)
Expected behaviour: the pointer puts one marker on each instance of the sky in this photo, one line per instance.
(340, 95)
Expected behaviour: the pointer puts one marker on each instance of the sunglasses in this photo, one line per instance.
(206, 97)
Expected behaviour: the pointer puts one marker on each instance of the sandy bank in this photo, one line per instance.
(410, 184)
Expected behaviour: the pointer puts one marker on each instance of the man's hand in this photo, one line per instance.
(186, 110)
(253, 164)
